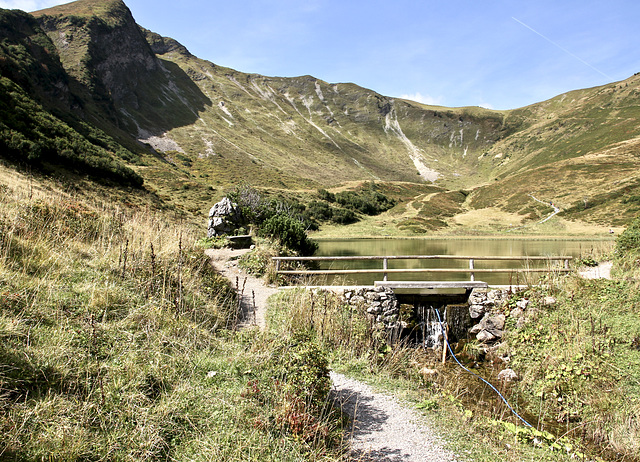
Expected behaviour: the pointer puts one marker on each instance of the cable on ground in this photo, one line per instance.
(444, 335)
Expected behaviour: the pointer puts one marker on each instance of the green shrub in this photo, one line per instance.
(31, 134)
(319, 210)
(344, 217)
(326, 195)
(258, 261)
(301, 366)
(291, 388)
(629, 240)
(290, 233)
(367, 200)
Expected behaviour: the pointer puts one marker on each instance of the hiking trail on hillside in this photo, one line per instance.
(383, 429)
(556, 209)
(252, 291)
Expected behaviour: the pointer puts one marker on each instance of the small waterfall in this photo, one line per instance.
(430, 327)
(455, 320)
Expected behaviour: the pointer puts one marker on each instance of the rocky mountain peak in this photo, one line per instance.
(101, 46)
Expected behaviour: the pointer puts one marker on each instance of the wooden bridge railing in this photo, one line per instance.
(385, 270)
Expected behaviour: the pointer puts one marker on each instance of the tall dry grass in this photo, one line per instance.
(116, 341)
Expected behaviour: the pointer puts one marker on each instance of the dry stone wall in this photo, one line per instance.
(381, 304)
(486, 308)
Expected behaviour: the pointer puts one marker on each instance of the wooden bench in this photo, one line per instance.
(243, 241)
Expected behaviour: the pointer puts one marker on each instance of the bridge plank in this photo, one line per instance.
(432, 284)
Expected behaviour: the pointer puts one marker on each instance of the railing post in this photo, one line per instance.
(471, 267)
(385, 267)
(277, 266)
(566, 263)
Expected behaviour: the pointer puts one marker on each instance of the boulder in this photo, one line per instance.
(489, 328)
(516, 313)
(497, 296)
(485, 336)
(477, 297)
(494, 324)
(371, 296)
(477, 311)
(224, 218)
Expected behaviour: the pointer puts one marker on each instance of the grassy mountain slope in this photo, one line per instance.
(579, 150)
(193, 129)
(121, 82)
(36, 126)
(570, 125)
(281, 129)
(318, 133)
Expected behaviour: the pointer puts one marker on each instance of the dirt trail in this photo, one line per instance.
(556, 209)
(384, 430)
(252, 291)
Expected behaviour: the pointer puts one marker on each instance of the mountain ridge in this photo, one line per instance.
(215, 126)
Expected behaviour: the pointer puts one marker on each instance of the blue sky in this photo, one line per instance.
(500, 54)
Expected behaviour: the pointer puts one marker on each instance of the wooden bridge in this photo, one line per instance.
(554, 264)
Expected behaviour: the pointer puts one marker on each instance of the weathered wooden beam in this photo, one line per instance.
(432, 284)
(427, 270)
(424, 257)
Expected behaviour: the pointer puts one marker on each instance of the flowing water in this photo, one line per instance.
(459, 247)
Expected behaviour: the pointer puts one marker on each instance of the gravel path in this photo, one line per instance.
(252, 290)
(556, 210)
(384, 430)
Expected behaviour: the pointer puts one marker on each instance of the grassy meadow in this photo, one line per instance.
(118, 342)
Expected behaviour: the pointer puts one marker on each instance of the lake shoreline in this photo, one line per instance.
(609, 238)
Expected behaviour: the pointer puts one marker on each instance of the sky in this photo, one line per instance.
(499, 54)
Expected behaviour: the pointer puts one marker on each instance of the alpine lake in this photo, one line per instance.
(515, 270)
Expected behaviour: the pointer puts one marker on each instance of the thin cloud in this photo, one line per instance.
(424, 99)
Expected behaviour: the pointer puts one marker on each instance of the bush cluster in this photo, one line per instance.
(322, 211)
(629, 240)
(278, 218)
(290, 233)
(366, 200)
(31, 135)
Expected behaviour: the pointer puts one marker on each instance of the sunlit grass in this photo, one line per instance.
(117, 341)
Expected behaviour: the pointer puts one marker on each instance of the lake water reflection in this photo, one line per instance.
(460, 247)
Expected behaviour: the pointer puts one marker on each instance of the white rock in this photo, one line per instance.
(476, 310)
(516, 313)
(508, 375)
(428, 373)
(484, 336)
